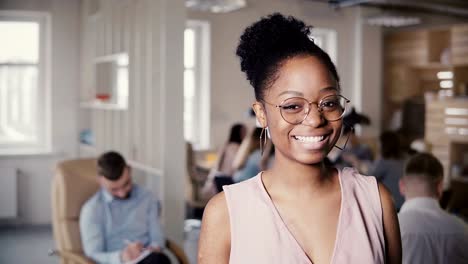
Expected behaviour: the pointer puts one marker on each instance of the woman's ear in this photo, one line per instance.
(260, 113)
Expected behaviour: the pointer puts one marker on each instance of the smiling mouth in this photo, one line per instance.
(309, 139)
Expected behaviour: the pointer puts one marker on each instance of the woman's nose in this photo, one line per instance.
(314, 118)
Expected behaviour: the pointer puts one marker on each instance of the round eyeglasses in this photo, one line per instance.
(294, 110)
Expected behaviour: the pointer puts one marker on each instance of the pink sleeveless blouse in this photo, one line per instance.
(259, 235)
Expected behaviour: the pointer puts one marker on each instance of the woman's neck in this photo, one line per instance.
(294, 177)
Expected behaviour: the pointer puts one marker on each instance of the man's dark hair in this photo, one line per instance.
(111, 165)
(269, 42)
(426, 167)
(390, 145)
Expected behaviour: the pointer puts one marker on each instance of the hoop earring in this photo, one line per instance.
(263, 135)
(347, 138)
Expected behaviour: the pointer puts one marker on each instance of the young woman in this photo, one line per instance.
(224, 165)
(229, 151)
(301, 210)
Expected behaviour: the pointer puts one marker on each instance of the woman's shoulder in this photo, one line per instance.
(243, 187)
(218, 208)
(361, 186)
(353, 174)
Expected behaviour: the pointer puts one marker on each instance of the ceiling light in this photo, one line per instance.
(446, 84)
(445, 75)
(393, 20)
(215, 6)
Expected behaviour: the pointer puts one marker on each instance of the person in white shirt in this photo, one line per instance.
(428, 233)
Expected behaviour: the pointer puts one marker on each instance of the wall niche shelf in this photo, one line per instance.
(110, 83)
(102, 105)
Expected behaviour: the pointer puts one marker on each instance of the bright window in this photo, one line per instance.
(24, 99)
(325, 39)
(196, 84)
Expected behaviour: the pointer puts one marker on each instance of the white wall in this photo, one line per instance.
(150, 131)
(36, 171)
(368, 86)
(232, 95)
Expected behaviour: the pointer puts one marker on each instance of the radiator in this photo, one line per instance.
(8, 192)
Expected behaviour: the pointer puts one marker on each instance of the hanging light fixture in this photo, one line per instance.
(392, 20)
(215, 6)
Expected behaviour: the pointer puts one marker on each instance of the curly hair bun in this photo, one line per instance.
(267, 42)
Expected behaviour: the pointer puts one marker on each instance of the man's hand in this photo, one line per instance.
(131, 251)
(155, 249)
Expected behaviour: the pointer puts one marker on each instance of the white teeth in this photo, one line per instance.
(309, 139)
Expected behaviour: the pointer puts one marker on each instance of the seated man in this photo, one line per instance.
(428, 233)
(121, 221)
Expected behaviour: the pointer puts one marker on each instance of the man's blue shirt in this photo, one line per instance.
(106, 223)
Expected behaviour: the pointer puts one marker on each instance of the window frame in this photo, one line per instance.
(43, 144)
(328, 37)
(201, 103)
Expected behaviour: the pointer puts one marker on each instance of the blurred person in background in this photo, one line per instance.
(354, 153)
(389, 168)
(229, 151)
(121, 221)
(256, 161)
(249, 160)
(429, 234)
(224, 165)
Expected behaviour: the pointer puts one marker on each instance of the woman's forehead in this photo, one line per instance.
(303, 76)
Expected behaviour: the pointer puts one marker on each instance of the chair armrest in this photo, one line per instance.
(75, 257)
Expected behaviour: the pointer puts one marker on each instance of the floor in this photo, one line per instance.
(31, 244)
(24, 245)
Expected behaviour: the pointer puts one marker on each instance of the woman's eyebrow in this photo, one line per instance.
(292, 92)
(328, 89)
(323, 90)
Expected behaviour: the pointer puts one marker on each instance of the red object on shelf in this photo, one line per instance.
(103, 97)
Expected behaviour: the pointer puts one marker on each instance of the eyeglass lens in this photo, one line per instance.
(294, 110)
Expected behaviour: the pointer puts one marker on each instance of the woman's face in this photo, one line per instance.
(310, 141)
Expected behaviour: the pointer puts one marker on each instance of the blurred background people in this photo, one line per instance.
(389, 167)
(356, 153)
(224, 165)
(249, 160)
(429, 234)
(229, 151)
(121, 221)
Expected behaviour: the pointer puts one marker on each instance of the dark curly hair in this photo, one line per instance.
(266, 44)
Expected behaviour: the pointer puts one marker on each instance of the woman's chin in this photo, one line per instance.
(311, 159)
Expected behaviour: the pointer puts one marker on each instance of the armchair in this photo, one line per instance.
(73, 184)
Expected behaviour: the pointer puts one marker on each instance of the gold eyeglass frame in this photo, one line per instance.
(319, 109)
